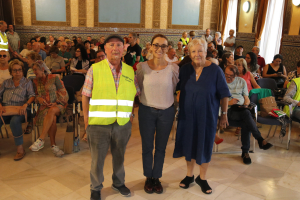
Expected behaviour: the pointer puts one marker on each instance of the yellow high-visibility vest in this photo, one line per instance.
(3, 42)
(108, 105)
(184, 43)
(296, 97)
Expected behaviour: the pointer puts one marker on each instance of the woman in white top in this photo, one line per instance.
(157, 79)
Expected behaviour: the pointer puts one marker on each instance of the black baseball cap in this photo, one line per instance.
(113, 36)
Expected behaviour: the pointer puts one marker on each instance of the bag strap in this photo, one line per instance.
(4, 126)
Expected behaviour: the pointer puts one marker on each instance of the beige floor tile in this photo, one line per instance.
(272, 161)
(26, 179)
(265, 173)
(290, 181)
(221, 175)
(253, 186)
(9, 167)
(183, 194)
(234, 194)
(282, 193)
(74, 179)
(217, 189)
(6, 191)
(80, 158)
(48, 190)
(74, 196)
(17, 197)
(294, 168)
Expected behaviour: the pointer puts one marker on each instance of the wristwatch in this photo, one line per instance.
(132, 115)
(223, 113)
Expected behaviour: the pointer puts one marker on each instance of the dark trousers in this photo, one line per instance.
(244, 120)
(152, 120)
(100, 137)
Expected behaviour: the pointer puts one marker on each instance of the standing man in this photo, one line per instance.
(260, 60)
(3, 37)
(207, 36)
(107, 100)
(230, 42)
(133, 49)
(13, 40)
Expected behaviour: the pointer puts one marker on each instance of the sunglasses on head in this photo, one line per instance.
(4, 56)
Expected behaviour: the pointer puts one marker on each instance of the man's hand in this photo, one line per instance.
(131, 119)
(22, 111)
(223, 121)
(233, 101)
(2, 110)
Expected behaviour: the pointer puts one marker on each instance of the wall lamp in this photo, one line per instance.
(246, 6)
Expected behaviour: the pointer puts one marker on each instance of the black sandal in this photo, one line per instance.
(203, 184)
(187, 181)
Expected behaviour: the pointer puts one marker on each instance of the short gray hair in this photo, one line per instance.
(197, 41)
(219, 34)
(41, 65)
(256, 48)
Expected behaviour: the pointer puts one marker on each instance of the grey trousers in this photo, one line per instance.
(100, 137)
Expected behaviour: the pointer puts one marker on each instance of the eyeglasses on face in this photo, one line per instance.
(4, 56)
(229, 75)
(157, 46)
(17, 70)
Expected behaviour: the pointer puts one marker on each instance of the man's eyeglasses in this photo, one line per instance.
(229, 76)
(157, 46)
(4, 56)
(17, 70)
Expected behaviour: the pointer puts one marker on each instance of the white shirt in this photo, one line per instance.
(24, 52)
(169, 60)
(4, 74)
(208, 39)
(229, 41)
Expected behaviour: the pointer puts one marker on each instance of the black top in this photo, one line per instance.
(272, 71)
(186, 59)
(237, 57)
(131, 49)
(79, 65)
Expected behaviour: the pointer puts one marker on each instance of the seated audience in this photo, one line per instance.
(292, 75)
(230, 42)
(186, 59)
(208, 38)
(70, 48)
(91, 53)
(238, 112)
(171, 57)
(276, 70)
(79, 40)
(93, 45)
(101, 42)
(32, 57)
(215, 53)
(146, 50)
(24, 52)
(184, 39)
(89, 38)
(51, 40)
(292, 96)
(32, 40)
(64, 53)
(36, 48)
(80, 64)
(239, 52)
(37, 38)
(55, 62)
(170, 45)
(100, 56)
(179, 50)
(44, 46)
(260, 60)
(53, 99)
(16, 91)
(4, 72)
(209, 57)
(227, 59)
(192, 35)
(252, 65)
(210, 47)
(61, 38)
(245, 74)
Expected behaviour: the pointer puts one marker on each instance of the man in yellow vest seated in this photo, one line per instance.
(3, 37)
(107, 100)
(292, 96)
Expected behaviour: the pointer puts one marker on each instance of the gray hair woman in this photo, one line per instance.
(218, 38)
(16, 91)
(202, 87)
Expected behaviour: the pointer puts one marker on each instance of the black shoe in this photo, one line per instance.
(124, 191)
(246, 158)
(95, 195)
(187, 181)
(157, 187)
(203, 185)
(148, 186)
(266, 146)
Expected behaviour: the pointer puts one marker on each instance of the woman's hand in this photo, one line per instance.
(50, 105)
(42, 101)
(233, 101)
(223, 121)
(22, 110)
(283, 76)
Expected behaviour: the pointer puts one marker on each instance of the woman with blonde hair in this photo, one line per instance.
(185, 40)
(203, 90)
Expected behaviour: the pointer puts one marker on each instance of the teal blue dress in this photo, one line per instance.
(199, 107)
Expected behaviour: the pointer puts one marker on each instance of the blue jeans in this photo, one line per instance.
(152, 120)
(15, 122)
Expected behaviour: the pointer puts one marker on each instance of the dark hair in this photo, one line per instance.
(134, 35)
(82, 51)
(66, 37)
(234, 69)
(157, 36)
(94, 41)
(32, 39)
(74, 37)
(86, 42)
(298, 64)
(43, 40)
(101, 50)
(224, 57)
(54, 49)
(56, 42)
(209, 54)
(280, 57)
(12, 25)
(211, 43)
(37, 36)
(126, 39)
(253, 63)
(75, 42)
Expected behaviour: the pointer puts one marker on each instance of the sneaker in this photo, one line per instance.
(37, 145)
(124, 191)
(246, 158)
(95, 195)
(57, 152)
